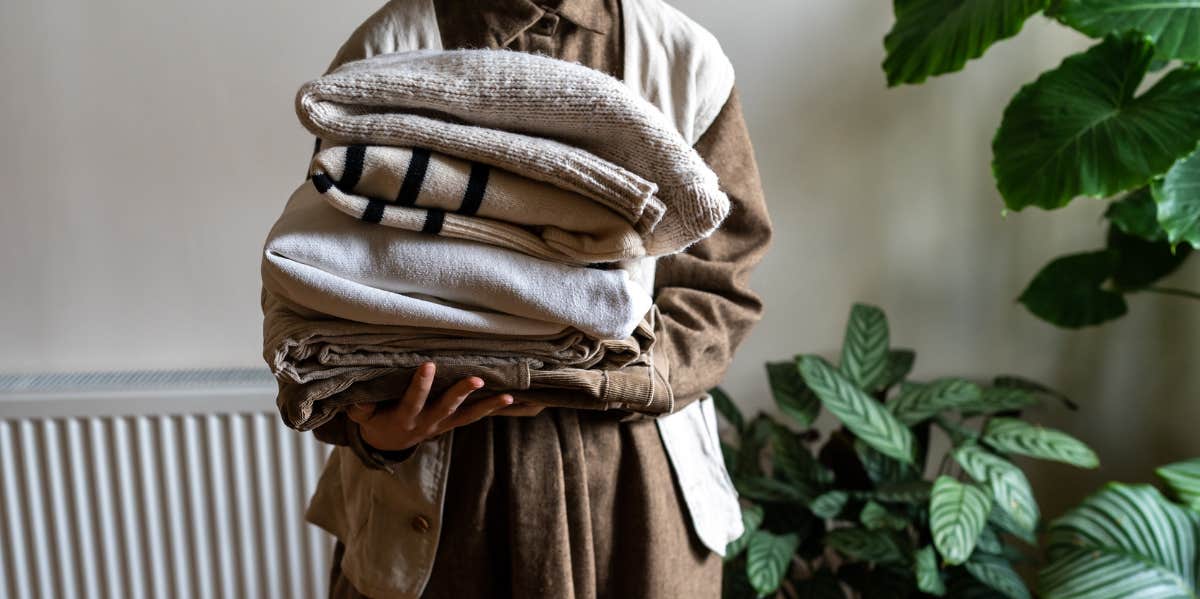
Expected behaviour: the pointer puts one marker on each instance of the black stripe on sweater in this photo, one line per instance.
(434, 218)
(353, 168)
(476, 187)
(322, 182)
(374, 211)
(413, 178)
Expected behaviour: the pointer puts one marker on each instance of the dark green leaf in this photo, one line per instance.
(876, 517)
(932, 37)
(1172, 25)
(998, 574)
(899, 365)
(1010, 489)
(1001, 399)
(989, 541)
(752, 517)
(761, 488)
(1137, 215)
(730, 454)
(1068, 292)
(1124, 541)
(910, 492)
(1184, 480)
(957, 514)
(1000, 518)
(866, 545)
(728, 409)
(1011, 435)
(791, 394)
(929, 578)
(829, 504)
(822, 585)
(1139, 262)
(864, 416)
(920, 401)
(881, 468)
(1015, 382)
(1177, 195)
(865, 347)
(794, 462)
(753, 441)
(1079, 129)
(768, 558)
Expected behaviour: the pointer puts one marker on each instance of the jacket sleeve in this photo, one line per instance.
(703, 293)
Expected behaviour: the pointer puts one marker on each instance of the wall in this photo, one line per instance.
(150, 146)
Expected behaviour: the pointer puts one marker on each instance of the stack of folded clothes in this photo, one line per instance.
(495, 212)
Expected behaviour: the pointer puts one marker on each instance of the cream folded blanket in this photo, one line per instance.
(321, 259)
(419, 190)
(538, 117)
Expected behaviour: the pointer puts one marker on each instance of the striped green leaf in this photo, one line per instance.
(929, 578)
(727, 409)
(761, 488)
(1001, 519)
(899, 365)
(865, 347)
(1184, 480)
(791, 394)
(767, 559)
(912, 492)
(875, 546)
(1172, 24)
(881, 468)
(830, 504)
(1010, 489)
(998, 574)
(1017, 436)
(876, 517)
(1001, 399)
(752, 518)
(918, 402)
(864, 416)
(989, 541)
(957, 514)
(1124, 541)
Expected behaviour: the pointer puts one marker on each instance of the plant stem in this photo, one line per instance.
(1174, 291)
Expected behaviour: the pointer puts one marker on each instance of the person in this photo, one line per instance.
(555, 502)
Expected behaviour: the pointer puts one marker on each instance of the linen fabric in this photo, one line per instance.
(418, 190)
(323, 260)
(545, 119)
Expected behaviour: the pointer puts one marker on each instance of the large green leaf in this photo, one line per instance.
(1010, 489)
(957, 514)
(1079, 130)
(998, 574)
(867, 545)
(1141, 263)
(925, 567)
(865, 347)
(767, 559)
(1184, 480)
(1011, 435)
(829, 504)
(728, 409)
(1137, 215)
(1124, 541)
(1069, 291)
(932, 37)
(752, 518)
(1178, 197)
(920, 401)
(1172, 24)
(793, 397)
(864, 416)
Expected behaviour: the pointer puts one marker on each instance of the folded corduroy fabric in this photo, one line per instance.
(419, 190)
(534, 116)
(321, 259)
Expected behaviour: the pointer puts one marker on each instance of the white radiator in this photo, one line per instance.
(155, 484)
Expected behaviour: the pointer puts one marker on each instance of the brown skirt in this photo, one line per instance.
(568, 504)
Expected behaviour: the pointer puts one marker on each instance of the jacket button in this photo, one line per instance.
(420, 524)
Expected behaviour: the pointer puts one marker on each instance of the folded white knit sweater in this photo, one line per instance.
(321, 259)
(539, 117)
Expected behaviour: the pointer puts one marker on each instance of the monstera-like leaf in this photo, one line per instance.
(1080, 130)
(1178, 197)
(1172, 25)
(1124, 541)
(932, 37)
(1069, 292)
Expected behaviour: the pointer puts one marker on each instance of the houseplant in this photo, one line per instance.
(855, 510)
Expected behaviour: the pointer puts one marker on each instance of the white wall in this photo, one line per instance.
(149, 146)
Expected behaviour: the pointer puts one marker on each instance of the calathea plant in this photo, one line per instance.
(1086, 128)
(854, 511)
(1128, 541)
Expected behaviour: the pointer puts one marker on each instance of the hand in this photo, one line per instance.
(411, 421)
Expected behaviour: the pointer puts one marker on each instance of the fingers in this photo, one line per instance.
(477, 410)
(415, 396)
(454, 397)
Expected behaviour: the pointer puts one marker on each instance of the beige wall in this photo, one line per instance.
(148, 147)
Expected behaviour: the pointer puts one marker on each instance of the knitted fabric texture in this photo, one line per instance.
(321, 259)
(538, 117)
(419, 190)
